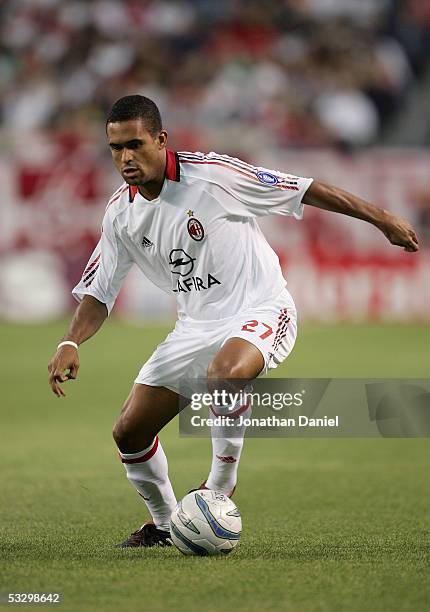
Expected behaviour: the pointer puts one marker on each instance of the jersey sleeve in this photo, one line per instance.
(106, 268)
(254, 191)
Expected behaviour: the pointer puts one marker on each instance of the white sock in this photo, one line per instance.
(147, 472)
(226, 452)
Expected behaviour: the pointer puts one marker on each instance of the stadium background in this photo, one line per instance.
(335, 89)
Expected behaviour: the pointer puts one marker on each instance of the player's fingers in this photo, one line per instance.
(59, 391)
(411, 245)
(60, 376)
(411, 233)
(56, 389)
(406, 241)
(52, 383)
(73, 372)
(413, 240)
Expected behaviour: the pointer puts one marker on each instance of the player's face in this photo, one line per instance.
(137, 154)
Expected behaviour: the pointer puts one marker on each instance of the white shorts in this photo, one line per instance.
(188, 350)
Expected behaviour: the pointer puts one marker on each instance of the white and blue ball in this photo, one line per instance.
(205, 523)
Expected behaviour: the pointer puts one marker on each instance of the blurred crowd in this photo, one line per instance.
(274, 72)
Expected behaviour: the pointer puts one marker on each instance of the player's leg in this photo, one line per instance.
(260, 340)
(145, 412)
(154, 401)
(235, 364)
(237, 359)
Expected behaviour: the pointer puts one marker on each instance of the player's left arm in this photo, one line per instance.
(398, 231)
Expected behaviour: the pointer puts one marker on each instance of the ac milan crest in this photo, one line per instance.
(195, 229)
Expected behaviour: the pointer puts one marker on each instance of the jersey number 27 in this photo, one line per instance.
(251, 325)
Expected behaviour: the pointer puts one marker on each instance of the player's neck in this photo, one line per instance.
(152, 189)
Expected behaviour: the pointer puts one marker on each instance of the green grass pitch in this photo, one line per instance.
(328, 524)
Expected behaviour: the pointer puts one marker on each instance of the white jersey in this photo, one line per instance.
(199, 239)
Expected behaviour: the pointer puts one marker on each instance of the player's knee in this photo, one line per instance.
(120, 433)
(129, 437)
(224, 370)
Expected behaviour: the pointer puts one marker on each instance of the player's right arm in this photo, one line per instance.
(96, 291)
(87, 320)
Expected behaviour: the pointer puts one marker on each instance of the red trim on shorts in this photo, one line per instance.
(145, 457)
(281, 331)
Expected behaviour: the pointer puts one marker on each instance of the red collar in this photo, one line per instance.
(172, 172)
(172, 166)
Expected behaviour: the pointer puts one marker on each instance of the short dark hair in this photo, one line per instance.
(136, 107)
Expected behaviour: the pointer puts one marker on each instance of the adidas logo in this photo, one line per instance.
(224, 459)
(146, 242)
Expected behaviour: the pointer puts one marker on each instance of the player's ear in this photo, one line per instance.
(162, 139)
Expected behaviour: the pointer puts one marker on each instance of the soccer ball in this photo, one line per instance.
(204, 523)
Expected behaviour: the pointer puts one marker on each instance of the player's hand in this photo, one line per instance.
(63, 366)
(400, 233)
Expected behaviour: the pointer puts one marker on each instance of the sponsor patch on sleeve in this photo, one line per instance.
(267, 178)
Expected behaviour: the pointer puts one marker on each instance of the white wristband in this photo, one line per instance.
(67, 342)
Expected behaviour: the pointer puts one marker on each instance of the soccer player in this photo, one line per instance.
(188, 220)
